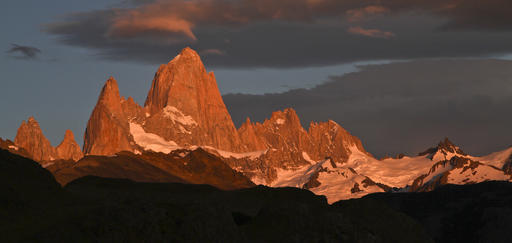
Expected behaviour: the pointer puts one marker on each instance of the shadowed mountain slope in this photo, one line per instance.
(181, 166)
(92, 209)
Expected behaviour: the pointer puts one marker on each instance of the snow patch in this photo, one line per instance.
(338, 184)
(391, 172)
(176, 115)
(47, 164)
(440, 156)
(150, 141)
(13, 147)
(335, 183)
(496, 159)
(479, 174)
(307, 158)
(226, 154)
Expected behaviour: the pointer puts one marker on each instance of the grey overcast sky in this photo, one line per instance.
(58, 53)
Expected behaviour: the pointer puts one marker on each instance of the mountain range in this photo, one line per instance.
(184, 133)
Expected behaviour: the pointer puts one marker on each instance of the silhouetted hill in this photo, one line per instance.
(453, 213)
(34, 208)
(94, 209)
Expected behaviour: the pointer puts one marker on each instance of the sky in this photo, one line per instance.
(58, 53)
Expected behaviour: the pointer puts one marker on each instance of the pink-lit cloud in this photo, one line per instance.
(212, 52)
(178, 19)
(133, 24)
(282, 32)
(354, 15)
(374, 33)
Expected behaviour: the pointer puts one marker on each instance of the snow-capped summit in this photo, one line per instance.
(445, 150)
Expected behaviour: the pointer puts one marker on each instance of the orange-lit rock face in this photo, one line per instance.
(68, 149)
(185, 105)
(107, 131)
(184, 108)
(31, 138)
(289, 146)
(34, 144)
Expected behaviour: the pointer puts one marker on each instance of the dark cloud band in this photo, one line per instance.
(404, 107)
(291, 33)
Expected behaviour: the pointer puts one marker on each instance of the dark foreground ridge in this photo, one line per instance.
(456, 213)
(34, 207)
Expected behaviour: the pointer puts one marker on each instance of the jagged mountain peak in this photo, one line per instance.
(447, 145)
(444, 150)
(29, 126)
(107, 128)
(68, 149)
(110, 96)
(31, 138)
(68, 135)
(182, 83)
(187, 54)
(31, 120)
(287, 116)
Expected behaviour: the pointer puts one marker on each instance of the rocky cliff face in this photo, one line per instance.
(68, 149)
(108, 130)
(184, 109)
(31, 140)
(184, 105)
(288, 146)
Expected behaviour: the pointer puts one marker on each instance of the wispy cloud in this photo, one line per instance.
(23, 52)
(374, 33)
(359, 14)
(212, 52)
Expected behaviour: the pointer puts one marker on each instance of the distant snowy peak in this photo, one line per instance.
(458, 170)
(329, 179)
(500, 159)
(445, 150)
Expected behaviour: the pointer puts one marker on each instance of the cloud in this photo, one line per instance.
(404, 107)
(375, 33)
(24, 52)
(355, 15)
(291, 33)
(135, 24)
(212, 52)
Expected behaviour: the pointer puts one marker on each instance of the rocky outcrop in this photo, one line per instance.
(108, 130)
(68, 149)
(445, 150)
(184, 105)
(31, 142)
(330, 139)
(289, 146)
(11, 147)
(457, 170)
(31, 138)
(507, 167)
(184, 109)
